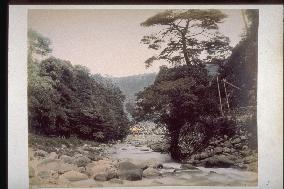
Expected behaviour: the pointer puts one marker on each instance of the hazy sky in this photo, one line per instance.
(108, 41)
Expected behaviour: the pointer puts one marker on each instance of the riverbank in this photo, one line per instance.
(77, 163)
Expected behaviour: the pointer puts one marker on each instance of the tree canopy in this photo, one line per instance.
(187, 37)
(68, 100)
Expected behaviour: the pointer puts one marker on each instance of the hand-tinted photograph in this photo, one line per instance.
(142, 97)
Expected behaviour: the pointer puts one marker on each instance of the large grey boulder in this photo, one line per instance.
(47, 174)
(74, 176)
(66, 159)
(102, 170)
(94, 157)
(159, 147)
(236, 141)
(81, 161)
(151, 172)
(129, 171)
(204, 155)
(43, 174)
(227, 143)
(218, 161)
(52, 156)
(55, 165)
(40, 153)
(226, 150)
(218, 150)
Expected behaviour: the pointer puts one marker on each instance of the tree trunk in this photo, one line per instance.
(174, 148)
(183, 40)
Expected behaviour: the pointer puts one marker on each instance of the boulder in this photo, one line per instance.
(41, 153)
(66, 159)
(55, 165)
(81, 161)
(159, 166)
(238, 146)
(43, 174)
(218, 161)
(250, 159)
(82, 169)
(102, 170)
(227, 143)
(204, 155)
(89, 167)
(233, 150)
(242, 166)
(218, 150)
(49, 174)
(74, 176)
(159, 147)
(151, 172)
(52, 156)
(129, 171)
(152, 162)
(226, 150)
(245, 152)
(81, 151)
(236, 141)
(101, 177)
(94, 157)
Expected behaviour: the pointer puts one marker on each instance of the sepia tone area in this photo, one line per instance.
(186, 117)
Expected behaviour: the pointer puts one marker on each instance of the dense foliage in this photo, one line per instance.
(184, 96)
(65, 100)
(241, 67)
(178, 96)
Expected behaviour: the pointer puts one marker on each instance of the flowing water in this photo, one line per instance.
(172, 174)
(135, 150)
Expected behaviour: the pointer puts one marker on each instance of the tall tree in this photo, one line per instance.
(188, 40)
(187, 37)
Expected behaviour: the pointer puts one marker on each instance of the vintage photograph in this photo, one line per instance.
(142, 97)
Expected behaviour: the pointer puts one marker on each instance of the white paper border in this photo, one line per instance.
(270, 90)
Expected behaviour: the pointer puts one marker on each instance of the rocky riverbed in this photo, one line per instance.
(128, 163)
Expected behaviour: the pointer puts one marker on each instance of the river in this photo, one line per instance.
(172, 174)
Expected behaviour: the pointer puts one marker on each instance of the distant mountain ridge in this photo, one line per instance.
(130, 85)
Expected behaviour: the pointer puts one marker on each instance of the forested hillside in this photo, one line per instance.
(130, 85)
(67, 100)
